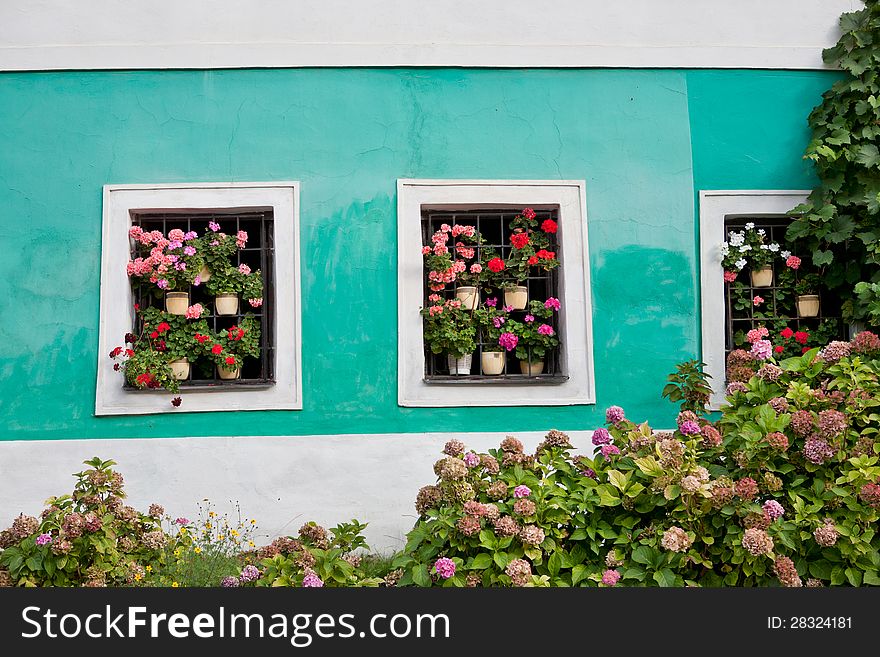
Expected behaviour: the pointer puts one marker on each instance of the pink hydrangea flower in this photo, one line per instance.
(773, 509)
(522, 491)
(444, 567)
(762, 349)
(43, 539)
(471, 460)
(614, 414)
(610, 577)
(601, 436)
(312, 581)
(609, 450)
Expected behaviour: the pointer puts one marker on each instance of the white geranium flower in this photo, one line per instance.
(750, 226)
(761, 231)
(774, 247)
(764, 247)
(725, 248)
(740, 263)
(745, 247)
(784, 255)
(737, 239)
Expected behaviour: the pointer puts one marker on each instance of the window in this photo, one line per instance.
(268, 212)
(567, 379)
(494, 227)
(728, 311)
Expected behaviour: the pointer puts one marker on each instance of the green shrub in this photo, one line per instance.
(88, 538)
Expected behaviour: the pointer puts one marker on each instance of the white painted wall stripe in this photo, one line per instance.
(107, 34)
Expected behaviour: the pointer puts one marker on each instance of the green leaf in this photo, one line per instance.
(420, 575)
(822, 258)
(617, 479)
(665, 577)
(642, 555)
(854, 576)
(554, 563)
(578, 573)
(481, 561)
(871, 578)
(501, 559)
(868, 155)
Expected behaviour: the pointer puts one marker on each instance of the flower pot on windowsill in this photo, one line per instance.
(762, 277)
(517, 297)
(531, 368)
(226, 304)
(808, 305)
(176, 303)
(492, 362)
(180, 368)
(469, 297)
(228, 375)
(459, 365)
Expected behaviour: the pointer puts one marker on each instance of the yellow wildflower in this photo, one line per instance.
(174, 585)
(198, 550)
(149, 569)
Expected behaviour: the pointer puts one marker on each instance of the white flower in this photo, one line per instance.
(745, 247)
(750, 226)
(725, 249)
(785, 254)
(740, 263)
(737, 239)
(774, 247)
(761, 231)
(764, 247)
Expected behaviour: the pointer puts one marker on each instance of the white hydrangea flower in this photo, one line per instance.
(785, 254)
(740, 263)
(774, 247)
(750, 226)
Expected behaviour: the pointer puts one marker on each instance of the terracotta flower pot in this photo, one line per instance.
(517, 297)
(227, 375)
(459, 365)
(180, 368)
(808, 305)
(531, 369)
(469, 297)
(226, 304)
(762, 277)
(176, 303)
(492, 362)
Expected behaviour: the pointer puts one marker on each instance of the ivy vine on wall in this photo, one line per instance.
(839, 225)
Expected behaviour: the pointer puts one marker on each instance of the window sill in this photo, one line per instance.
(498, 380)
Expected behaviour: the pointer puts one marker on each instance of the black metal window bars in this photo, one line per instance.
(494, 227)
(259, 253)
(775, 304)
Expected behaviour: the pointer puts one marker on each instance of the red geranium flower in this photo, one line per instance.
(154, 334)
(161, 346)
(549, 226)
(201, 338)
(116, 351)
(801, 337)
(129, 352)
(144, 379)
(230, 360)
(216, 349)
(528, 213)
(164, 326)
(786, 333)
(779, 349)
(544, 254)
(176, 402)
(805, 350)
(533, 260)
(519, 240)
(495, 264)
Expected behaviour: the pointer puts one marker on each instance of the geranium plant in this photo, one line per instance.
(228, 347)
(458, 261)
(532, 245)
(448, 328)
(749, 246)
(535, 335)
(491, 319)
(218, 247)
(165, 264)
(237, 280)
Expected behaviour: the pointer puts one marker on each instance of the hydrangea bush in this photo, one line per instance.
(783, 490)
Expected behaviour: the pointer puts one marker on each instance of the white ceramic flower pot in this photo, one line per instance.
(204, 274)
(176, 303)
(762, 277)
(469, 297)
(808, 305)
(227, 375)
(531, 369)
(517, 297)
(459, 365)
(180, 369)
(492, 362)
(226, 304)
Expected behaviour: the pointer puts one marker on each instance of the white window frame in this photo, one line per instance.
(117, 309)
(715, 207)
(576, 352)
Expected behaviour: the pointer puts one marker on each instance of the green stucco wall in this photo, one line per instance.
(645, 141)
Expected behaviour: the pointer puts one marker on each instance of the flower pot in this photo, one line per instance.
(226, 304)
(517, 297)
(176, 303)
(226, 375)
(469, 297)
(808, 305)
(492, 362)
(204, 274)
(762, 277)
(531, 369)
(459, 365)
(180, 368)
